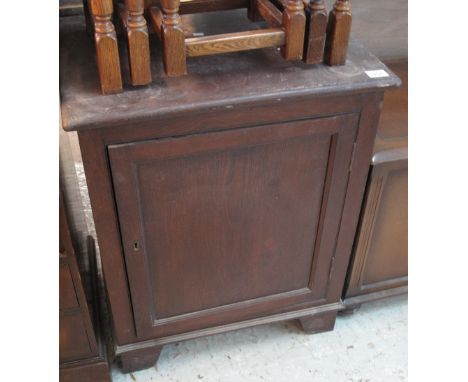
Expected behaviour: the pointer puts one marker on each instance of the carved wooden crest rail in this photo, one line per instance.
(300, 28)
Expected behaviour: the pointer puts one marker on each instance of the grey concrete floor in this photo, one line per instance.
(368, 346)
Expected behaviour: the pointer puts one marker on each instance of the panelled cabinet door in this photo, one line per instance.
(225, 226)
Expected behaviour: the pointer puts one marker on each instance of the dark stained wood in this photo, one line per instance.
(352, 304)
(134, 25)
(252, 11)
(139, 359)
(318, 323)
(289, 34)
(76, 332)
(269, 13)
(242, 196)
(380, 259)
(67, 295)
(234, 42)
(107, 52)
(173, 39)
(393, 124)
(243, 80)
(379, 267)
(122, 349)
(79, 351)
(316, 29)
(187, 184)
(338, 32)
(294, 25)
(157, 16)
(96, 371)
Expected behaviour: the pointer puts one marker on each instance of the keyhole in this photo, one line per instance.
(136, 246)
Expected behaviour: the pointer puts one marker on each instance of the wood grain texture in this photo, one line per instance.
(380, 258)
(244, 169)
(239, 81)
(80, 354)
(233, 42)
(393, 126)
(252, 97)
(173, 39)
(374, 194)
(269, 13)
(338, 32)
(316, 29)
(107, 52)
(77, 338)
(97, 371)
(379, 265)
(157, 16)
(134, 25)
(230, 327)
(294, 24)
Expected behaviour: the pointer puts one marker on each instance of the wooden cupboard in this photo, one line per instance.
(226, 198)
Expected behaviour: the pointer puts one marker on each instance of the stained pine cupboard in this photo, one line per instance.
(225, 198)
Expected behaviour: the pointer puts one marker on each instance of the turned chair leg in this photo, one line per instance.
(316, 30)
(138, 42)
(173, 39)
(338, 32)
(318, 323)
(294, 24)
(107, 51)
(139, 359)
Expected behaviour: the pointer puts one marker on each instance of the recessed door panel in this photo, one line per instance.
(225, 226)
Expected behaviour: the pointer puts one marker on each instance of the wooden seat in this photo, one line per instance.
(301, 29)
(286, 30)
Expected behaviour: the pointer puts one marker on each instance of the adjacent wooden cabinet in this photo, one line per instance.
(379, 266)
(225, 198)
(81, 356)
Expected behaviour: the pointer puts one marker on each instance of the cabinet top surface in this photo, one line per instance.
(217, 82)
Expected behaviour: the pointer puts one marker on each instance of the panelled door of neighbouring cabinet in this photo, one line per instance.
(224, 226)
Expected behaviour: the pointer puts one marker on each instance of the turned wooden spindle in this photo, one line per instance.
(338, 32)
(294, 25)
(173, 39)
(107, 51)
(316, 31)
(138, 42)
